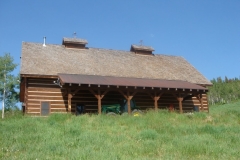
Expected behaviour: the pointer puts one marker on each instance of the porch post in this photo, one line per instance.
(69, 101)
(180, 99)
(156, 98)
(99, 96)
(128, 97)
(99, 102)
(129, 105)
(155, 103)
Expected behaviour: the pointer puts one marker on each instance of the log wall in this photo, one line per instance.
(44, 90)
(40, 90)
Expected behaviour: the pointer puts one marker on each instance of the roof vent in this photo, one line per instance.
(74, 43)
(143, 50)
(44, 41)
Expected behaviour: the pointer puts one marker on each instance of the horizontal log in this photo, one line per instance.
(59, 107)
(45, 94)
(33, 102)
(33, 110)
(59, 110)
(44, 86)
(62, 112)
(33, 113)
(46, 89)
(46, 98)
(47, 81)
(33, 107)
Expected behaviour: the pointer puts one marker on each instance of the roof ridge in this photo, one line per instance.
(108, 49)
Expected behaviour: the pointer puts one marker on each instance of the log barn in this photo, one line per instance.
(56, 78)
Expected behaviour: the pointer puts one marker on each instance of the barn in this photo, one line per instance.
(56, 78)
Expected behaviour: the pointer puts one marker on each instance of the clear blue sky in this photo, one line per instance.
(204, 32)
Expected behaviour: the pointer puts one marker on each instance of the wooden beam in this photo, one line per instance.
(75, 91)
(104, 93)
(150, 95)
(39, 76)
(96, 95)
(125, 96)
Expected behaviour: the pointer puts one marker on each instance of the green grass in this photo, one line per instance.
(160, 135)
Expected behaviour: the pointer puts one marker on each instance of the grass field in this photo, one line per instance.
(160, 135)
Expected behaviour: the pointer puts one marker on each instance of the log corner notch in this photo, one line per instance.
(99, 97)
(128, 97)
(155, 98)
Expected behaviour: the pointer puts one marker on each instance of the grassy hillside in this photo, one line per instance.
(159, 135)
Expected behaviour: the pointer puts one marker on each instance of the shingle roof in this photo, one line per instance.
(54, 59)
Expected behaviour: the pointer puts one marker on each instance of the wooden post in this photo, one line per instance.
(155, 99)
(128, 102)
(69, 101)
(99, 102)
(180, 99)
(156, 103)
(129, 105)
(128, 97)
(99, 96)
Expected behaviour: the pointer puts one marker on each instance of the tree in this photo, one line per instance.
(11, 86)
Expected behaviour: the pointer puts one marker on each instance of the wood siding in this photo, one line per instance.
(38, 90)
(44, 90)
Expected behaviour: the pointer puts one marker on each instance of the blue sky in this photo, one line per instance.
(204, 32)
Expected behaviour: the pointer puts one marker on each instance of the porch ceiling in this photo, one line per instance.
(122, 81)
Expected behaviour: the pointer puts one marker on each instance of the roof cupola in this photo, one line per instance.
(74, 43)
(143, 50)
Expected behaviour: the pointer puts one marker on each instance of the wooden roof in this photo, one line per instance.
(54, 59)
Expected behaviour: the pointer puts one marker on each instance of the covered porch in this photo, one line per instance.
(94, 91)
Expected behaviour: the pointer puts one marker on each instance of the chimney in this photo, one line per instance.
(74, 43)
(44, 41)
(143, 50)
